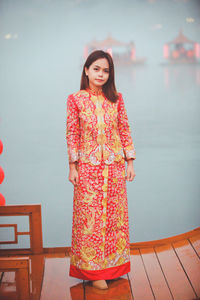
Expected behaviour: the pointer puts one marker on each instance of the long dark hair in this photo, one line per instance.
(108, 88)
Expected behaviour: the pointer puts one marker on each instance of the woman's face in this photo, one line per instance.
(98, 73)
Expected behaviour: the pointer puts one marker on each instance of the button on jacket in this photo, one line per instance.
(97, 129)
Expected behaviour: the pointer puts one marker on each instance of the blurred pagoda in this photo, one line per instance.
(122, 53)
(181, 50)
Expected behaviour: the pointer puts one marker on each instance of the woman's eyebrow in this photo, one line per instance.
(99, 67)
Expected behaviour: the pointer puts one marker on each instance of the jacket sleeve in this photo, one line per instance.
(72, 129)
(125, 131)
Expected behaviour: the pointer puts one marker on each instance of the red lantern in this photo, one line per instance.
(166, 51)
(133, 53)
(109, 50)
(2, 200)
(197, 50)
(85, 53)
(1, 175)
(1, 147)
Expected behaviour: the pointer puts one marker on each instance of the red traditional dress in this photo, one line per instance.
(99, 139)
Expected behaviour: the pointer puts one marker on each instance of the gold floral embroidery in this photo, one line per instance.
(101, 139)
(101, 126)
(97, 259)
(104, 217)
(120, 222)
(121, 244)
(88, 228)
(89, 195)
(112, 256)
(87, 253)
(103, 231)
(118, 157)
(86, 266)
(105, 172)
(105, 263)
(74, 259)
(99, 112)
(105, 187)
(101, 98)
(106, 154)
(93, 98)
(122, 191)
(117, 145)
(98, 154)
(120, 260)
(123, 173)
(104, 201)
(101, 247)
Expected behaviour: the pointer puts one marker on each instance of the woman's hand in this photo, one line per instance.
(73, 173)
(130, 170)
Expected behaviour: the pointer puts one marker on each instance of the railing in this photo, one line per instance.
(35, 228)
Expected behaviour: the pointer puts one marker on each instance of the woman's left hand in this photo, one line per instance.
(130, 170)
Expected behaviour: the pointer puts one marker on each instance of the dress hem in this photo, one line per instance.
(108, 273)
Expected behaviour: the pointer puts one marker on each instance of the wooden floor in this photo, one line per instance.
(164, 269)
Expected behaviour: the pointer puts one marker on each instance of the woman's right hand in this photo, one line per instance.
(73, 174)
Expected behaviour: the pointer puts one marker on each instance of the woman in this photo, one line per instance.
(99, 142)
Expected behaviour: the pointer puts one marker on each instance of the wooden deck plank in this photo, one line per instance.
(195, 241)
(57, 284)
(139, 281)
(117, 289)
(9, 277)
(155, 274)
(8, 286)
(190, 262)
(174, 273)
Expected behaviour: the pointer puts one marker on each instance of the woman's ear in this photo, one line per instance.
(86, 70)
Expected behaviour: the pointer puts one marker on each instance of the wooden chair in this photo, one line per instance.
(21, 266)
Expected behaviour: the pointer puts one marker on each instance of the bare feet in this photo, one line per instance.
(100, 284)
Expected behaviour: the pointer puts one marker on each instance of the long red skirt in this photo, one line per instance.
(100, 246)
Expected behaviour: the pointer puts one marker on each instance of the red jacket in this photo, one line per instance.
(97, 129)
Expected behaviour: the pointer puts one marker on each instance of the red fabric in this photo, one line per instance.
(109, 273)
(97, 129)
(98, 133)
(100, 231)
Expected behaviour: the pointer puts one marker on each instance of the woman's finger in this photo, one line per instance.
(72, 181)
(128, 176)
(132, 175)
(76, 180)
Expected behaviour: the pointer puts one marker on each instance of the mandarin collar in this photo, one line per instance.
(95, 92)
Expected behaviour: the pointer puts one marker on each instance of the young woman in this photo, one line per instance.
(99, 142)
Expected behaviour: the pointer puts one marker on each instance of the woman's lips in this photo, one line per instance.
(99, 80)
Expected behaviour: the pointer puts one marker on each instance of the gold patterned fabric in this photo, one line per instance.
(97, 129)
(99, 138)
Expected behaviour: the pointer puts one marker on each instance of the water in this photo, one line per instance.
(40, 69)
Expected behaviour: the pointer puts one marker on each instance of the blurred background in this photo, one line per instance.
(155, 46)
